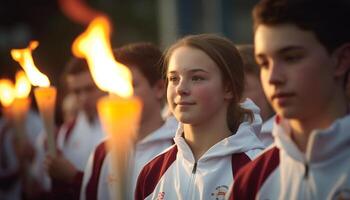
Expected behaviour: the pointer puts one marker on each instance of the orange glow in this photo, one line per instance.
(25, 59)
(7, 94)
(94, 45)
(78, 11)
(22, 86)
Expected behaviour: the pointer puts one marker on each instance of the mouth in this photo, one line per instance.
(184, 103)
(282, 97)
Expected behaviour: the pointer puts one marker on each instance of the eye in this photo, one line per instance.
(292, 56)
(262, 63)
(173, 78)
(197, 78)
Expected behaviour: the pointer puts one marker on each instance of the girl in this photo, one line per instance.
(216, 135)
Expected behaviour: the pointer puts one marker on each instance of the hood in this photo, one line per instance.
(243, 140)
(323, 145)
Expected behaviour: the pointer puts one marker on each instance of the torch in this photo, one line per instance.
(45, 95)
(7, 96)
(21, 104)
(120, 111)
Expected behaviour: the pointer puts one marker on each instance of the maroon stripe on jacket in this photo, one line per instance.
(153, 172)
(238, 160)
(252, 176)
(69, 125)
(92, 185)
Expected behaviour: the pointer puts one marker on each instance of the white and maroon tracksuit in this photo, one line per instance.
(98, 180)
(176, 175)
(10, 186)
(76, 140)
(284, 172)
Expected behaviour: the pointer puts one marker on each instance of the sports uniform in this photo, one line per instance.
(176, 175)
(284, 172)
(98, 180)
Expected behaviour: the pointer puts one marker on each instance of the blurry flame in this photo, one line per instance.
(25, 59)
(78, 11)
(7, 94)
(94, 45)
(22, 87)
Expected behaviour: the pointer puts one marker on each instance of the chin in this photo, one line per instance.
(288, 113)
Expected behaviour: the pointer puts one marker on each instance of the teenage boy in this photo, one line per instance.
(303, 49)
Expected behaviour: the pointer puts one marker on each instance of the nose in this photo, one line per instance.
(276, 74)
(182, 88)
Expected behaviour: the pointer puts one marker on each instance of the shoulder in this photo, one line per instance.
(252, 176)
(153, 171)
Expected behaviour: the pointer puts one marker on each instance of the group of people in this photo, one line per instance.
(262, 121)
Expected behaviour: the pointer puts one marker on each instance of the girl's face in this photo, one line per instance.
(195, 90)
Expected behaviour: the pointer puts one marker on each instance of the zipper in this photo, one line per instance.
(194, 168)
(191, 182)
(306, 175)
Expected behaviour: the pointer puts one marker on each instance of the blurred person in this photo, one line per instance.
(154, 134)
(253, 90)
(16, 156)
(216, 134)
(303, 49)
(69, 108)
(76, 139)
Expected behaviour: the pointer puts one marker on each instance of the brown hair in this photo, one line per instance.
(249, 63)
(328, 20)
(144, 56)
(224, 53)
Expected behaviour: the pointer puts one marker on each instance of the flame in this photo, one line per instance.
(94, 45)
(78, 11)
(25, 59)
(7, 94)
(22, 86)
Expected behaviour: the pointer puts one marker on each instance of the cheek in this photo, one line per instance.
(170, 94)
(209, 96)
(266, 87)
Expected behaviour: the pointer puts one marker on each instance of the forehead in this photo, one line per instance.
(186, 58)
(272, 39)
(136, 74)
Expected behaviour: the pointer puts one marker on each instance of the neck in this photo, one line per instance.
(302, 128)
(201, 137)
(148, 126)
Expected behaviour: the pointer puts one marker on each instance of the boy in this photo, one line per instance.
(77, 139)
(303, 49)
(154, 135)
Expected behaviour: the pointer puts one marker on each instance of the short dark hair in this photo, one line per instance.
(249, 63)
(329, 20)
(146, 57)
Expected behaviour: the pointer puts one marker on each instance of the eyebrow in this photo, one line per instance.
(282, 51)
(190, 71)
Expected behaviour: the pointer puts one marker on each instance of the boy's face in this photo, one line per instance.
(297, 72)
(253, 90)
(86, 92)
(150, 96)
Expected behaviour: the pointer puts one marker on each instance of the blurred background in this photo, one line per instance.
(157, 21)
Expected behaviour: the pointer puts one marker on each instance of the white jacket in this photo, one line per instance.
(175, 174)
(98, 180)
(283, 172)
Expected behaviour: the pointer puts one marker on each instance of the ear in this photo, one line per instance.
(342, 56)
(228, 93)
(159, 89)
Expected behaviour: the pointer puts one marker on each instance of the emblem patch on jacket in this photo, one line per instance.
(219, 193)
(160, 195)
